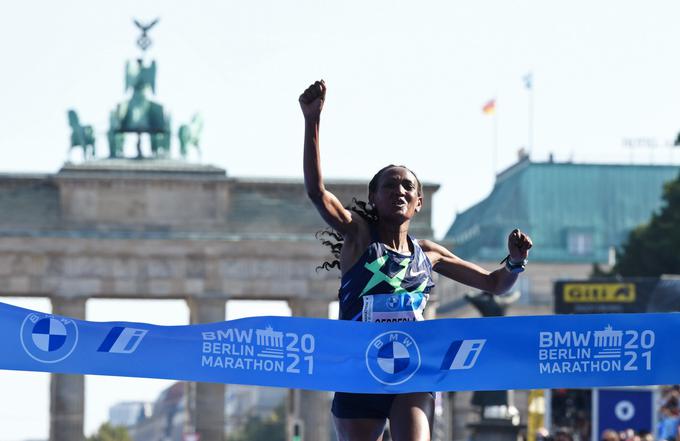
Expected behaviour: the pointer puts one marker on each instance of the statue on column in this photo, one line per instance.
(490, 305)
(499, 418)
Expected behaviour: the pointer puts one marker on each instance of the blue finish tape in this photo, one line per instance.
(436, 355)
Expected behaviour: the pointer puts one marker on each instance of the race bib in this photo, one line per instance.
(390, 308)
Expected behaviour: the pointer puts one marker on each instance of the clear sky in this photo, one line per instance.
(406, 84)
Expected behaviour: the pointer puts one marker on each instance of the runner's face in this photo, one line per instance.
(396, 196)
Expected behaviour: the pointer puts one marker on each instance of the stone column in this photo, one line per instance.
(207, 415)
(312, 408)
(67, 392)
(442, 417)
(462, 415)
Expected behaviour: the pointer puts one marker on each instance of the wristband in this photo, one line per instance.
(514, 267)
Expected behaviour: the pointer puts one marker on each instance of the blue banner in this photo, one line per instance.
(436, 355)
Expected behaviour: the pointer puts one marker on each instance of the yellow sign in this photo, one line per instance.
(599, 292)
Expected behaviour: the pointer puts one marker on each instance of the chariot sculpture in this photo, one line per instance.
(138, 114)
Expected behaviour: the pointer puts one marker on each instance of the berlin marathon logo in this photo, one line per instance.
(392, 358)
(47, 338)
(269, 351)
(604, 350)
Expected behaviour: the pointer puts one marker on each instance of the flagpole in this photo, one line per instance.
(489, 109)
(528, 84)
(495, 143)
(531, 120)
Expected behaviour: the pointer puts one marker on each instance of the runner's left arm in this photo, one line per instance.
(497, 282)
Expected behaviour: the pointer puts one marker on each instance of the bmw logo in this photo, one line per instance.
(392, 357)
(48, 339)
(393, 302)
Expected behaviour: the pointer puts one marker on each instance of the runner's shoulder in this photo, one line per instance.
(428, 245)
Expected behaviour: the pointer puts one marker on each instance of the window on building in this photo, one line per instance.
(580, 243)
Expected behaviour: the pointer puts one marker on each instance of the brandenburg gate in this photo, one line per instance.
(154, 227)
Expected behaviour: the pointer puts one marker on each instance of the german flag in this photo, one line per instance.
(490, 107)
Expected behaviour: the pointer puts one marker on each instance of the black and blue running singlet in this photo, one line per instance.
(386, 286)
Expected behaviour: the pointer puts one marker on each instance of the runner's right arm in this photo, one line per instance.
(329, 206)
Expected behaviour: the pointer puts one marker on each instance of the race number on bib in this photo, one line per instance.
(390, 308)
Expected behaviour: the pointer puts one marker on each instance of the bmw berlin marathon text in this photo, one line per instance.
(607, 350)
(268, 351)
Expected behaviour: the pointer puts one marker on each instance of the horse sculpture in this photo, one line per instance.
(81, 136)
(190, 134)
(139, 114)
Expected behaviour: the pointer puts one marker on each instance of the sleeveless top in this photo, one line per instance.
(386, 286)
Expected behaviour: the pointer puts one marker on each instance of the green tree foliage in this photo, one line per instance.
(653, 249)
(257, 428)
(109, 433)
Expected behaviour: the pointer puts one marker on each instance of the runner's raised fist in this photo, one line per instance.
(311, 100)
(518, 245)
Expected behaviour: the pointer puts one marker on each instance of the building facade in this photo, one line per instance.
(577, 216)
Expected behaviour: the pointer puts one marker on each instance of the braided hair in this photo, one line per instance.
(333, 239)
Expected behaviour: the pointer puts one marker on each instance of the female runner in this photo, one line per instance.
(381, 265)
